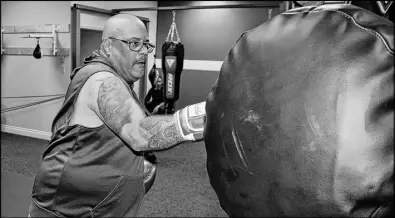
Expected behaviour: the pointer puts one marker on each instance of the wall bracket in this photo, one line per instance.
(2, 31)
(53, 36)
(29, 51)
(39, 31)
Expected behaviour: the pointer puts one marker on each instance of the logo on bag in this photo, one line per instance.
(170, 62)
(384, 6)
(170, 85)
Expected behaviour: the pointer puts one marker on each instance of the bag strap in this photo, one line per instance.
(173, 28)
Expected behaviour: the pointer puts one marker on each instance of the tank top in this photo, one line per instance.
(88, 172)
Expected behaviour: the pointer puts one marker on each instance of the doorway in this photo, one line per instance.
(90, 39)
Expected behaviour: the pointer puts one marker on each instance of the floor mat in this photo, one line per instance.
(181, 189)
(15, 194)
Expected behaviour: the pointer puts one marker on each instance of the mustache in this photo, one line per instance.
(142, 60)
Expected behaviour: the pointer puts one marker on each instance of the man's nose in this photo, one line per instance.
(144, 50)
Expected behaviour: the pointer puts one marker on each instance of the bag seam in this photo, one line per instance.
(378, 35)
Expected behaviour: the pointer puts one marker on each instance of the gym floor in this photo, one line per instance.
(181, 188)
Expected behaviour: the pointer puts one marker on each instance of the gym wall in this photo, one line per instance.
(23, 75)
(207, 35)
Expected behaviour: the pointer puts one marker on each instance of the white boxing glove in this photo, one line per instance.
(191, 121)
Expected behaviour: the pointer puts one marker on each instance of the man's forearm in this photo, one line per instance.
(161, 132)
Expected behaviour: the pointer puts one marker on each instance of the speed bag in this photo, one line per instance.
(172, 64)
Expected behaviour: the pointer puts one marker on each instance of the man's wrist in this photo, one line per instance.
(182, 126)
(190, 121)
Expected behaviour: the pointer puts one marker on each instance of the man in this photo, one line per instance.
(94, 164)
(154, 100)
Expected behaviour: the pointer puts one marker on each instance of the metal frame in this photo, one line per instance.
(47, 28)
(2, 31)
(29, 51)
(93, 9)
(268, 4)
(103, 11)
(53, 36)
(75, 41)
(143, 80)
(54, 29)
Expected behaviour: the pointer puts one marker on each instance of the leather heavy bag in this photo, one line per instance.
(172, 65)
(382, 8)
(300, 120)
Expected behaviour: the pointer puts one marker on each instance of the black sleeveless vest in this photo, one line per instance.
(88, 172)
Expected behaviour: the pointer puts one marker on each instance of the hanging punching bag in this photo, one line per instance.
(172, 65)
(37, 53)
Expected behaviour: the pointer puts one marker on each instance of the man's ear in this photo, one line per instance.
(106, 46)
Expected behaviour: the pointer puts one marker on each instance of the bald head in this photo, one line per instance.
(124, 26)
(129, 63)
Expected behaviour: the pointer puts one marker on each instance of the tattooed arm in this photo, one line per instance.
(160, 131)
(111, 100)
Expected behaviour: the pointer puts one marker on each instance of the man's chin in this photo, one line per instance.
(136, 75)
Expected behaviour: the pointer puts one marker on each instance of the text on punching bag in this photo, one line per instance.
(171, 62)
(169, 85)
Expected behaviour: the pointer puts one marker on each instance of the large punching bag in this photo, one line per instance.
(300, 122)
(172, 65)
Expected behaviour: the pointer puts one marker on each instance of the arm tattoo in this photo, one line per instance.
(160, 132)
(114, 103)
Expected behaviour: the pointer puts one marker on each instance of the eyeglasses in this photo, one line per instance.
(137, 45)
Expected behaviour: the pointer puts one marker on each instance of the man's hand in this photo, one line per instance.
(155, 111)
(191, 121)
(186, 124)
